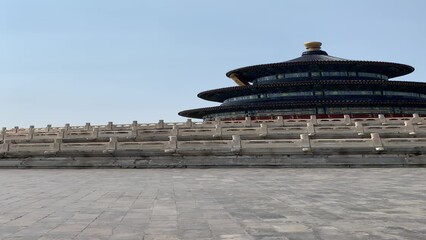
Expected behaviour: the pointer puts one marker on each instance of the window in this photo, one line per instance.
(332, 93)
(342, 74)
(372, 75)
(406, 94)
(296, 75)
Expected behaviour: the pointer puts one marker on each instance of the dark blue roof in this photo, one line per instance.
(323, 61)
(314, 56)
(219, 95)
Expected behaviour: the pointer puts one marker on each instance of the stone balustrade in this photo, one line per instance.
(189, 124)
(235, 146)
(214, 138)
(247, 129)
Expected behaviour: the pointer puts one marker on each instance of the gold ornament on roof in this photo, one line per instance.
(313, 46)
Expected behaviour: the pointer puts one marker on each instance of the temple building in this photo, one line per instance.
(315, 84)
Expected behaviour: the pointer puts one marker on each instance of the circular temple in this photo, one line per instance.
(315, 84)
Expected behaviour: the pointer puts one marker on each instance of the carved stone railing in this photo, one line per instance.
(247, 129)
(303, 145)
(278, 122)
(253, 137)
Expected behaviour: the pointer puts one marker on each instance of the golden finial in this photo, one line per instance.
(313, 46)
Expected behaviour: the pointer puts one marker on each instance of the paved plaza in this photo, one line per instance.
(228, 204)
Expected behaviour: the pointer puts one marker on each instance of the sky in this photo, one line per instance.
(78, 61)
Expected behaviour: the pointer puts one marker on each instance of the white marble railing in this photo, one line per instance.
(279, 136)
(278, 122)
(247, 129)
(303, 145)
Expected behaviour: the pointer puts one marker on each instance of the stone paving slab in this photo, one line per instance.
(225, 204)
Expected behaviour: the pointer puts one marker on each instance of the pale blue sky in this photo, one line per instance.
(77, 61)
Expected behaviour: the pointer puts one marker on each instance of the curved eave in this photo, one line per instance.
(201, 112)
(390, 69)
(221, 94)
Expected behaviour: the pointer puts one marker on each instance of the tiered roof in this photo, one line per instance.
(305, 83)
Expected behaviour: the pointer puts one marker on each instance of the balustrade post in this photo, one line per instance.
(382, 119)
(236, 144)
(347, 120)
(408, 125)
(57, 145)
(160, 124)
(310, 129)
(30, 132)
(135, 124)
(171, 145)
(188, 123)
(217, 131)
(5, 146)
(263, 130)
(3, 133)
(62, 133)
(377, 142)
(174, 131)
(305, 142)
(247, 122)
(95, 133)
(112, 144)
(110, 126)
(313, 119)
(217, 121)
(135, 129)
(280, 121)
(359, 128)
(416, 119)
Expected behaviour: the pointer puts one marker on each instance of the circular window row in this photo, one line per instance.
(324, 93)
(315, 111)
(302, 75)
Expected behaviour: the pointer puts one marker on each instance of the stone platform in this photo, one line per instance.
(249, 203)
